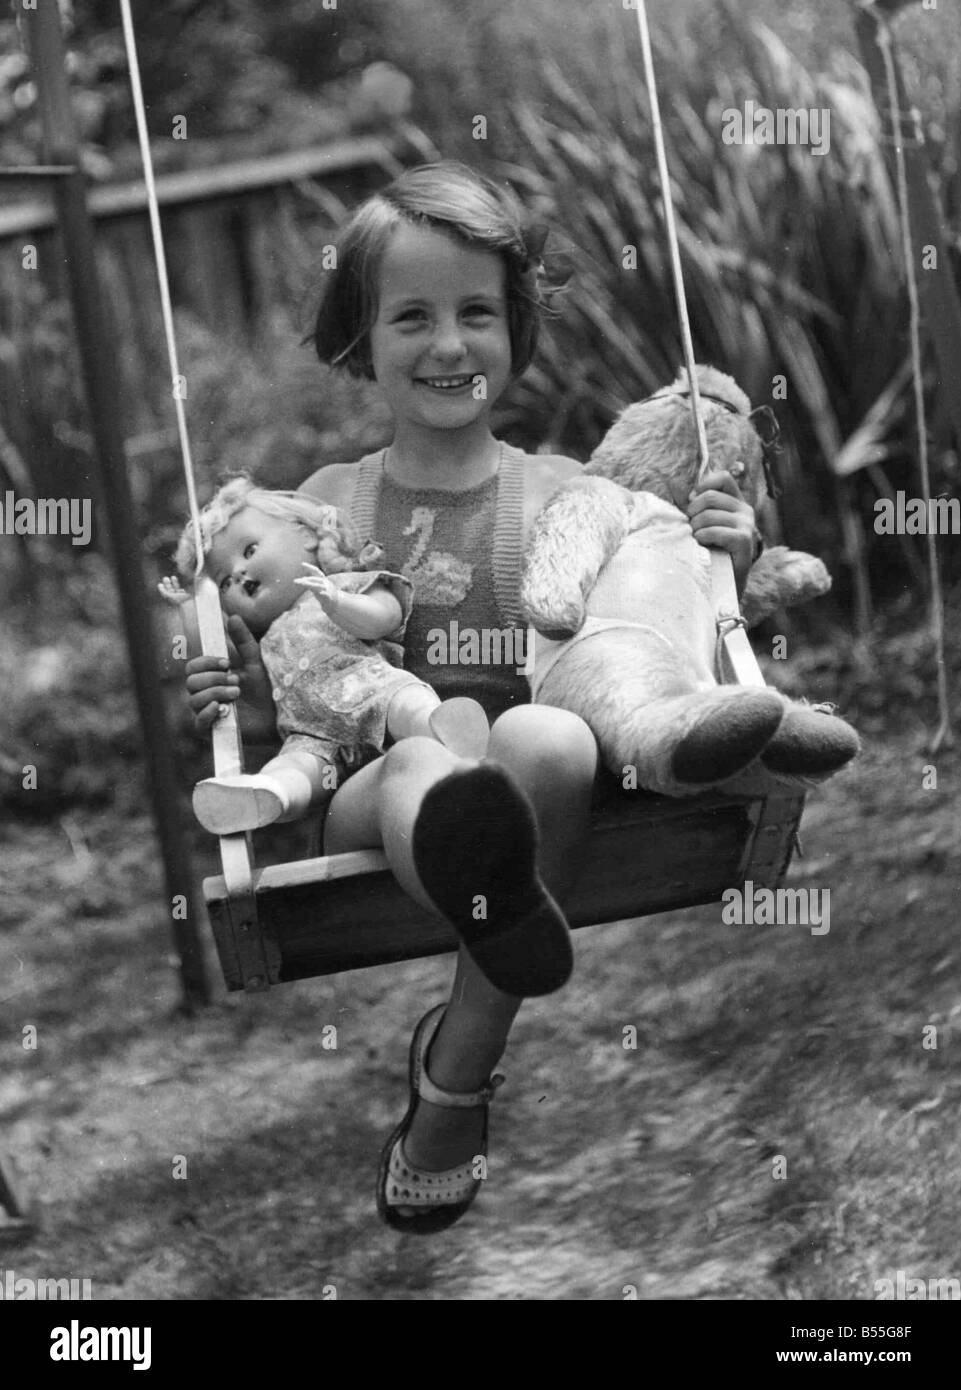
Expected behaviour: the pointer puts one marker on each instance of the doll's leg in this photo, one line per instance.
(409, 711)
(459, 724)
(284, 789)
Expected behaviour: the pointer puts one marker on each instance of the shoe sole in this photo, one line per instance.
(475, 852)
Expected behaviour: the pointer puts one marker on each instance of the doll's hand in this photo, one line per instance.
(720, 517)
(326, 593)
(173, 591)
(213, 682)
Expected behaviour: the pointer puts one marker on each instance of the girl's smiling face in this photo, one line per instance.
(254, 561)
(441, 323)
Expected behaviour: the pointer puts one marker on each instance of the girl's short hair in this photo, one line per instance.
(319, 517)
(448, 197)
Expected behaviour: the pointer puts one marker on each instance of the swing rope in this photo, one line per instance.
(732, 639)
(227, 747)
(943, 734)
(677, 274)
(226, 742)
(160, 262)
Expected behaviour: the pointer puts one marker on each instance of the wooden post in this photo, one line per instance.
(101, 378)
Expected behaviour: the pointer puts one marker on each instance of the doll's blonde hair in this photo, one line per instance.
(320, 518)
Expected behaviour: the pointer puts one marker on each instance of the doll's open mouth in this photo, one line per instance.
(250, 587)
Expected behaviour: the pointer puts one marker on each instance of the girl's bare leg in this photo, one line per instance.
(553, 756)
(378, 805)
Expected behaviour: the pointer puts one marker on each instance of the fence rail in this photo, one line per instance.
(241, 240)
(208, 184)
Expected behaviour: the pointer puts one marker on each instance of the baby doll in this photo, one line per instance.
(327, 639)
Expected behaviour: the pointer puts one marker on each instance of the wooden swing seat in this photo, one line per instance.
(644, 854)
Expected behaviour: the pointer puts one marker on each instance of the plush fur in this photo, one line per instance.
(619, 591)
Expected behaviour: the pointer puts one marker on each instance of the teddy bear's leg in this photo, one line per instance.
(724, 730)
(649, 714)
(810, 743)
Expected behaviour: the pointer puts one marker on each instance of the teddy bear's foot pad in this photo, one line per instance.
(475, 852)
(811, 741)
(727, 737)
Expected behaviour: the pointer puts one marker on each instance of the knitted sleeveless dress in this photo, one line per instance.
(462, 551)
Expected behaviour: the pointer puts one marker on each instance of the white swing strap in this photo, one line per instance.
(227, 746)
(735, 658)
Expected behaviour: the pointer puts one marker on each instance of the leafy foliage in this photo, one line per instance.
(68, 709)
(792, 268)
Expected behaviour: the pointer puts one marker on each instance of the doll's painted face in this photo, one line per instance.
(254, 561)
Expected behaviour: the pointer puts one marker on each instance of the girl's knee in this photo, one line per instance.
(420, 756)
(554, 740)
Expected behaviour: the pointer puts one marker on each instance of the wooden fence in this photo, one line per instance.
(240, 239)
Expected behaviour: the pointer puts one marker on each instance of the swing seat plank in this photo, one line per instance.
(644, 854)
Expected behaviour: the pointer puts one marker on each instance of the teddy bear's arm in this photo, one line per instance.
(571, 540)
(779, 579)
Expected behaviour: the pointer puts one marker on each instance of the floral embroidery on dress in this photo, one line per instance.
(440, 578)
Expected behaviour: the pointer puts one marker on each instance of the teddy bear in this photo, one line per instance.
(619, 593)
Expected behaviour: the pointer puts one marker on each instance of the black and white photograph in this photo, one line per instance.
(582, 924)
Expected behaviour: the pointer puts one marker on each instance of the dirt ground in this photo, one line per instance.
(760, 1049)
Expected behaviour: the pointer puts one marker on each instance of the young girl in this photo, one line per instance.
(326, 651)
(435, 297)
